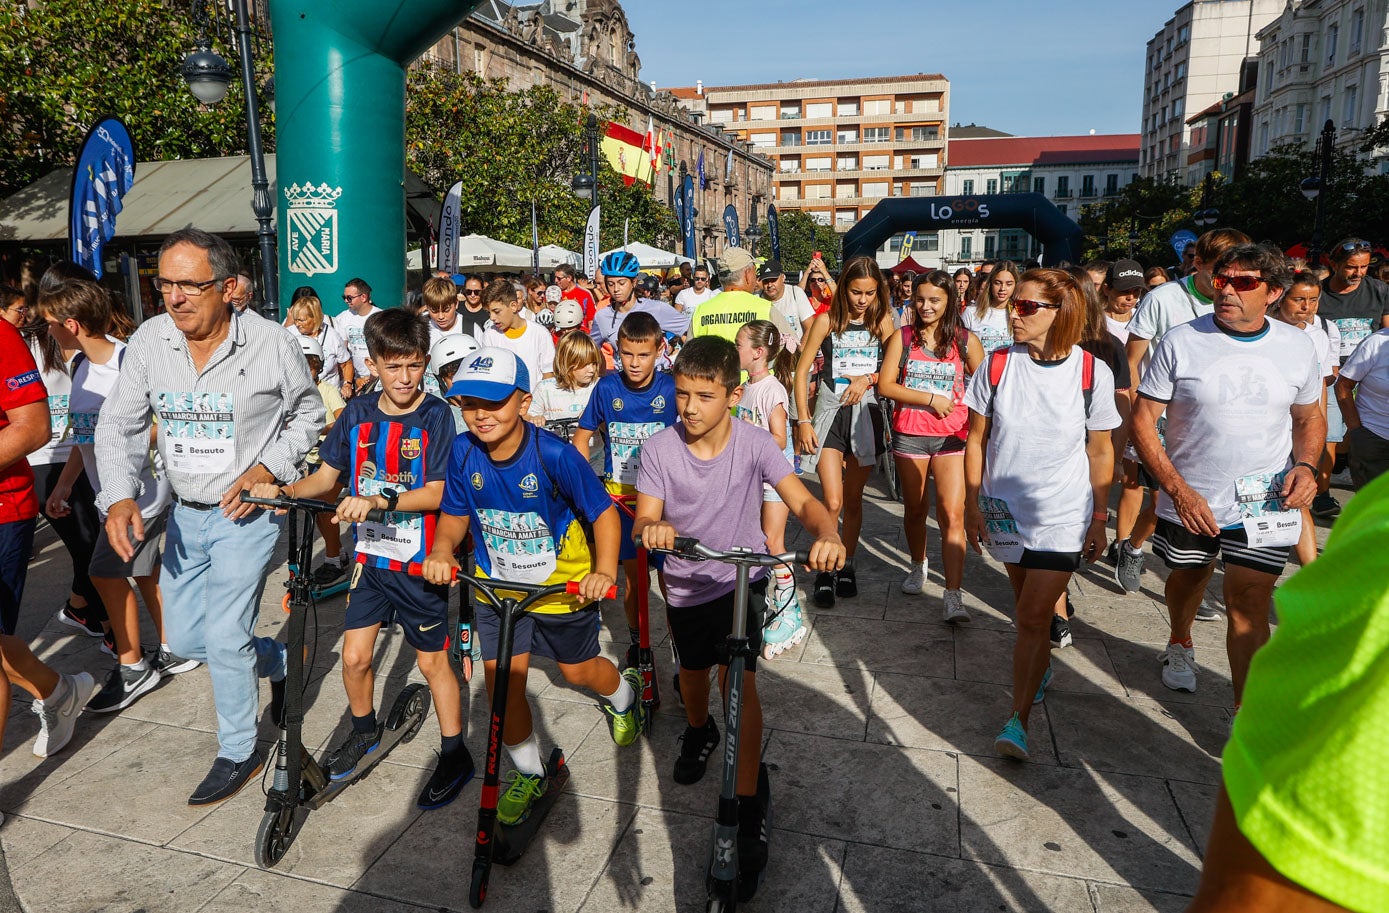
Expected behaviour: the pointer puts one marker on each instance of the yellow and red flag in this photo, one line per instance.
(627, 153)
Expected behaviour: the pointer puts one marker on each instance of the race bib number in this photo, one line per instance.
(1353, 330)
(520, 545)
(57, 418)
(83, 427)
(198, 431)
(855, 354)
(624, 443)
(1260, 503)
(937, 377)
(399, 538)
(357, 342)
(1001, 530)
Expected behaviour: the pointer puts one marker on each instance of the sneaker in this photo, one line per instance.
(328, 573)
(1325, 507)
(954, 609)
(1179, 668)
(343, 761)
(846, 583)
(752, 835)
(1206, 612)
(1111, 554)
(166, 662)
(1060, 632)
(1129, 570)
(58, 714)
(696, 745)
(521, 792)
(108, 645)
(225, 779)
(124, 686)
(916, 580)
(451, 774)
(1070, 606)
(1041, 694)
(786, 627)
(1011, 742)
(824, 590)
(77, 618)
(627, 724)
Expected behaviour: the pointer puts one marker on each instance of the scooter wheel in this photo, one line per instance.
(278, 828)
(721, 905)
(410, 708)
(477, 889)
(284, 603)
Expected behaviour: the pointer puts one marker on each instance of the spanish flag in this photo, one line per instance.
(627, 152)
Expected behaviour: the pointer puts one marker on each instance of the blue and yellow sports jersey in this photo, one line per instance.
(525, 514)
(630, 416)
(375, 451)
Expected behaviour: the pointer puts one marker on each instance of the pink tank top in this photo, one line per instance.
(925, 373)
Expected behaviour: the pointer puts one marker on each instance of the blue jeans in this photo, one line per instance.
(214, 573)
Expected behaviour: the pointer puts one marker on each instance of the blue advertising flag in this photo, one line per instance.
(774, 230)
(1180, 239)
(730, 225)
(679, 203)
(104, 173)
(687, 226)
(703, 178)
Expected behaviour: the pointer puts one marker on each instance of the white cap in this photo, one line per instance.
(310, 346)
(491, 373)
(450, 348)
(568, 313)
(553, 295)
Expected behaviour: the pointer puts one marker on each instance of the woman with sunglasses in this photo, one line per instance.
(1038, 466)
(845, 437)
(988, 319)
(817, 284)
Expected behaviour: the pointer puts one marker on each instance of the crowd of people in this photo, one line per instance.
(1210, 403)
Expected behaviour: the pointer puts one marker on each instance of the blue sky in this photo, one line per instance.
(1028, 67)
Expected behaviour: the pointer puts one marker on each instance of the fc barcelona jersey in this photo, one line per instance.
(377, 451)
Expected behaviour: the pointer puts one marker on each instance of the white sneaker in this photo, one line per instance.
(916, 579)
(954, 611)
(1179, 668)
(58, 714)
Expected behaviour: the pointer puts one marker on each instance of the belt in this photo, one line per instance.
(197, 505)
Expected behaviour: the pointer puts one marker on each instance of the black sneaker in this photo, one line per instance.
(824, 590)
(328, 573)
(108, 645)
(752, 835)
(1111, 554)
(450, 775)
(695, 747)
(123, 687)
(77, 618)
(1070, 608)
(1325, 507)
(342, 763)
(846, 583)
(1060, 632)
(166, 662)
(226, 779)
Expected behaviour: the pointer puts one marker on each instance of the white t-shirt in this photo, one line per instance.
(335, 353)
(1228, 401)
(554, 402)
(795, 307)
(1327, 344)
(689, 299)
(59, 386)
(1118, 328)
(92, 384)
(993, 329)
(1369, 367)
(1035, 460)
(759, 402)
(1169, 305)
(350, 327)
(534, 345)
(460, 328)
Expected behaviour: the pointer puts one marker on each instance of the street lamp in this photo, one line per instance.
(208, 75)
(585, 184)
(1314, 189)
(754, 231)
(1207, 215)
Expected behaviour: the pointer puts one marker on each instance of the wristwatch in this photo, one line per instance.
(391, 495)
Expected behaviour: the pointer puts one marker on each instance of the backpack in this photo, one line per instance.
(961, 345)
(998, 357)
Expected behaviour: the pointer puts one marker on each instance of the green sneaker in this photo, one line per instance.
(627, 725)
(1012, 741)
(521, 792)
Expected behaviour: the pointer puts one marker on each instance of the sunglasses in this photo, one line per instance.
(470, 292)
(1027, 307)
(1238, 283)
(1351, 247)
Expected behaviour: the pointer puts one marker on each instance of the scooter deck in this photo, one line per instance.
(749, 882)
(511, 841)
(403, 731)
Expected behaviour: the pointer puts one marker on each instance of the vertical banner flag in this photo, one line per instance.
(730, 224)
(907, 244)
(687, 227)
(104, 172)
(1181, 239)
(535, 243)
(728, 168)
(626, 224)
(774, 230)
(450, 217)
(591, 243)
(679, 205)
(703, 178)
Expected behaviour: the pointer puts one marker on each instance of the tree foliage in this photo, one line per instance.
(801, 237)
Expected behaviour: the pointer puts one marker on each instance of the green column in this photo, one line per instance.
(340, 138)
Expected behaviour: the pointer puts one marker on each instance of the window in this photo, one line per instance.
(1350, 113)
(479, 57)
(1087, 185)
(817, 192)
(763, 140)
(845, 191)
(1039, 185)
(846, 163)
(923, 160)
(988, 247)
(721, 115)
(789, 192)
(1183, 34)
(967, 187)
(819, 109)
(848, 108)
(876, 163)
(1178, 107)
(1300, 119)
(762, 112)
(922, 189)
(1304, 57)
(790, 137)
(991, 185)
(817, 163)
(1332, 33)
(917, 134)
(817, 137)
(1357, 30)
(966, 247)
(1111, 184)
(1179, 73)
(790, 110)
(845, 216)
(875, 189)
(1325, 108)
(1063, 186)
(877, 134)
(791, 163)
(849, 135)
(875, 106)
(929, 242)
(821, 218)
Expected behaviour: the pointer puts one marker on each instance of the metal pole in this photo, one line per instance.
(592, 130)
(1324, 146)
(260, 186)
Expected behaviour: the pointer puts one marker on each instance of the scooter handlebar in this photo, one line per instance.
(312, 505)
(690, 549)
(570, 587)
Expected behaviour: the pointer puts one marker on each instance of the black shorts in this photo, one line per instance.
(837, 438)
(566, 637)
(700, 632)
(381, 596)
(1181, 549)
(1144, 477)
(1050, 561)
(16, 544)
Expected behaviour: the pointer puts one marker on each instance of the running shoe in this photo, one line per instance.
(916, 580)
(1011, 742)
(1111, 554)
(124, 686)
(108, 645)
(695, 747)
(752, 835)
(1206, 612)
(1060, 632)
(1325, 507)
(167, 662)
(627, 724)
(77, 618)
(953, 610)
(521, 792)
(328, 573)
(1179, 668)
(1129, 571)
(786, 627)
(846, 583)
(58, 714)
(342, 763)
(451, 774)
(824, 590)
(1041, 694)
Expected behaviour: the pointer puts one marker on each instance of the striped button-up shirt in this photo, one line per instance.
(253, 402)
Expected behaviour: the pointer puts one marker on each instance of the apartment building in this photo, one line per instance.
(1193, 61)
(839, 146)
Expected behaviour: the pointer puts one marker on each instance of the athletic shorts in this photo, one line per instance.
(1049, 561)
(837, 438)
(1335, 424)
(106, 563)
(16, 546)
(627, 550)
(1145, 478)
(382, 596)
(566, 637)
(700, 632)
(925, 446)
(1181, 549)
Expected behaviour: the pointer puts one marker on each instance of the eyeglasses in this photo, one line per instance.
(189, 288)
(354, 297)
(1238, 283)
(1027, 307)
(21, 308)
(818, 281)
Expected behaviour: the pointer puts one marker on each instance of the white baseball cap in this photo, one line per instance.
(553, 294)
(310, 346)
(449, 349)
(491, 373)
(568, 313)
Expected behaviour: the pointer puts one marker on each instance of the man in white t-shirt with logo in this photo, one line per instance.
(790, 300)
(1241, 392)
(692, 297)
(349, 324)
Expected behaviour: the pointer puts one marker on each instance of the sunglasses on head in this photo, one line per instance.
(1238, 283)
(1352, 247)
(1027, 307)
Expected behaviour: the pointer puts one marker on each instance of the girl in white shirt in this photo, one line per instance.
(988, 319)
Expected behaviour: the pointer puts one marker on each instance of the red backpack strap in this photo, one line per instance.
(1087, 378)
(997, 359)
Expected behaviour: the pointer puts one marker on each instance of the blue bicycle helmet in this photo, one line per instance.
(620, 263)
